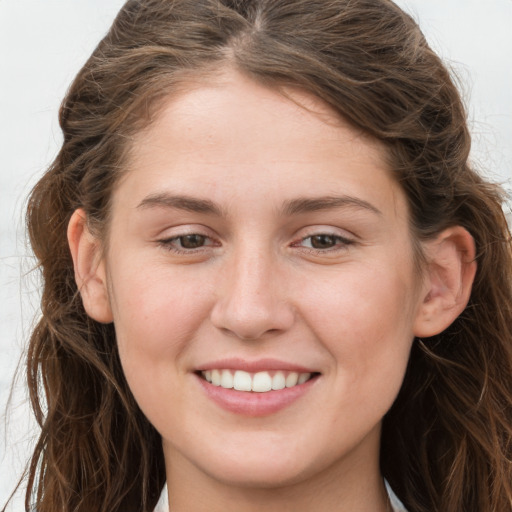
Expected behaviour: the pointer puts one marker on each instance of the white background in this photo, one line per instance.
(43, 43)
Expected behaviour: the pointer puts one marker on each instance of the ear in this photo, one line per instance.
(89, 264)
(448, 279)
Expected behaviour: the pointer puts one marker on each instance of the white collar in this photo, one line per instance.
(396, 504)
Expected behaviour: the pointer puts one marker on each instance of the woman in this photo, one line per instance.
(271, 277)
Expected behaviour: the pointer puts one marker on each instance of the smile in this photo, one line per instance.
(259, 382)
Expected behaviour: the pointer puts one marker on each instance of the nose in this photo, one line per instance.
(251, 301)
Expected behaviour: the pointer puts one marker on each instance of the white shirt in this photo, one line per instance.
(396, 504)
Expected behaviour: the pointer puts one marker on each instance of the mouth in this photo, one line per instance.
(257, 382)
(256, 388)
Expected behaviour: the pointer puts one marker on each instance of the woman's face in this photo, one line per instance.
(259, 241)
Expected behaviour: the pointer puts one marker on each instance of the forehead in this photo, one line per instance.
(215, 104)
(233, 133)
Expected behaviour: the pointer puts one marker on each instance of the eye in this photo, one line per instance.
(324, 242)
(187, 243)
(193, 241)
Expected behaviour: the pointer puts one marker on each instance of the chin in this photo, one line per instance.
(271, 475)
(257, 467)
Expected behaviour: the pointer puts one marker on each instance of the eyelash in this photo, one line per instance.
(341, 244)
(168, 244)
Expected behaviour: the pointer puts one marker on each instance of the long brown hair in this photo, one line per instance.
(446, 442)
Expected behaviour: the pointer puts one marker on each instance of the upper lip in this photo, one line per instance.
(259, 365)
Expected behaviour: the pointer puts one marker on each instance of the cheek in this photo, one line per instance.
(366, 323)
(155, 317)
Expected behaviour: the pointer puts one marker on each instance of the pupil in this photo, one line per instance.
(192, 241)
(322, 241)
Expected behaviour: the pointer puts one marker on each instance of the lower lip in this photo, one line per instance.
(250, 403)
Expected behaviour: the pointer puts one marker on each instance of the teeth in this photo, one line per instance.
(216, 377)
(278, 381)
(226, 379)
(242, 381)
(303, 377)
(260, 382)
(292, 379)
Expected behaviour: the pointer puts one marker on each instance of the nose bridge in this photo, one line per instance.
(252, 299)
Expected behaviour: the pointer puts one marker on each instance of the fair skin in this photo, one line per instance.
(256, 233)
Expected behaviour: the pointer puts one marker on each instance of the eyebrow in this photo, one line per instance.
(306, 204)
(188, 203)
(292, 207)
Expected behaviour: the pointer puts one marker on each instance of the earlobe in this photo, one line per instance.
(448, 279)
(89, 265)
